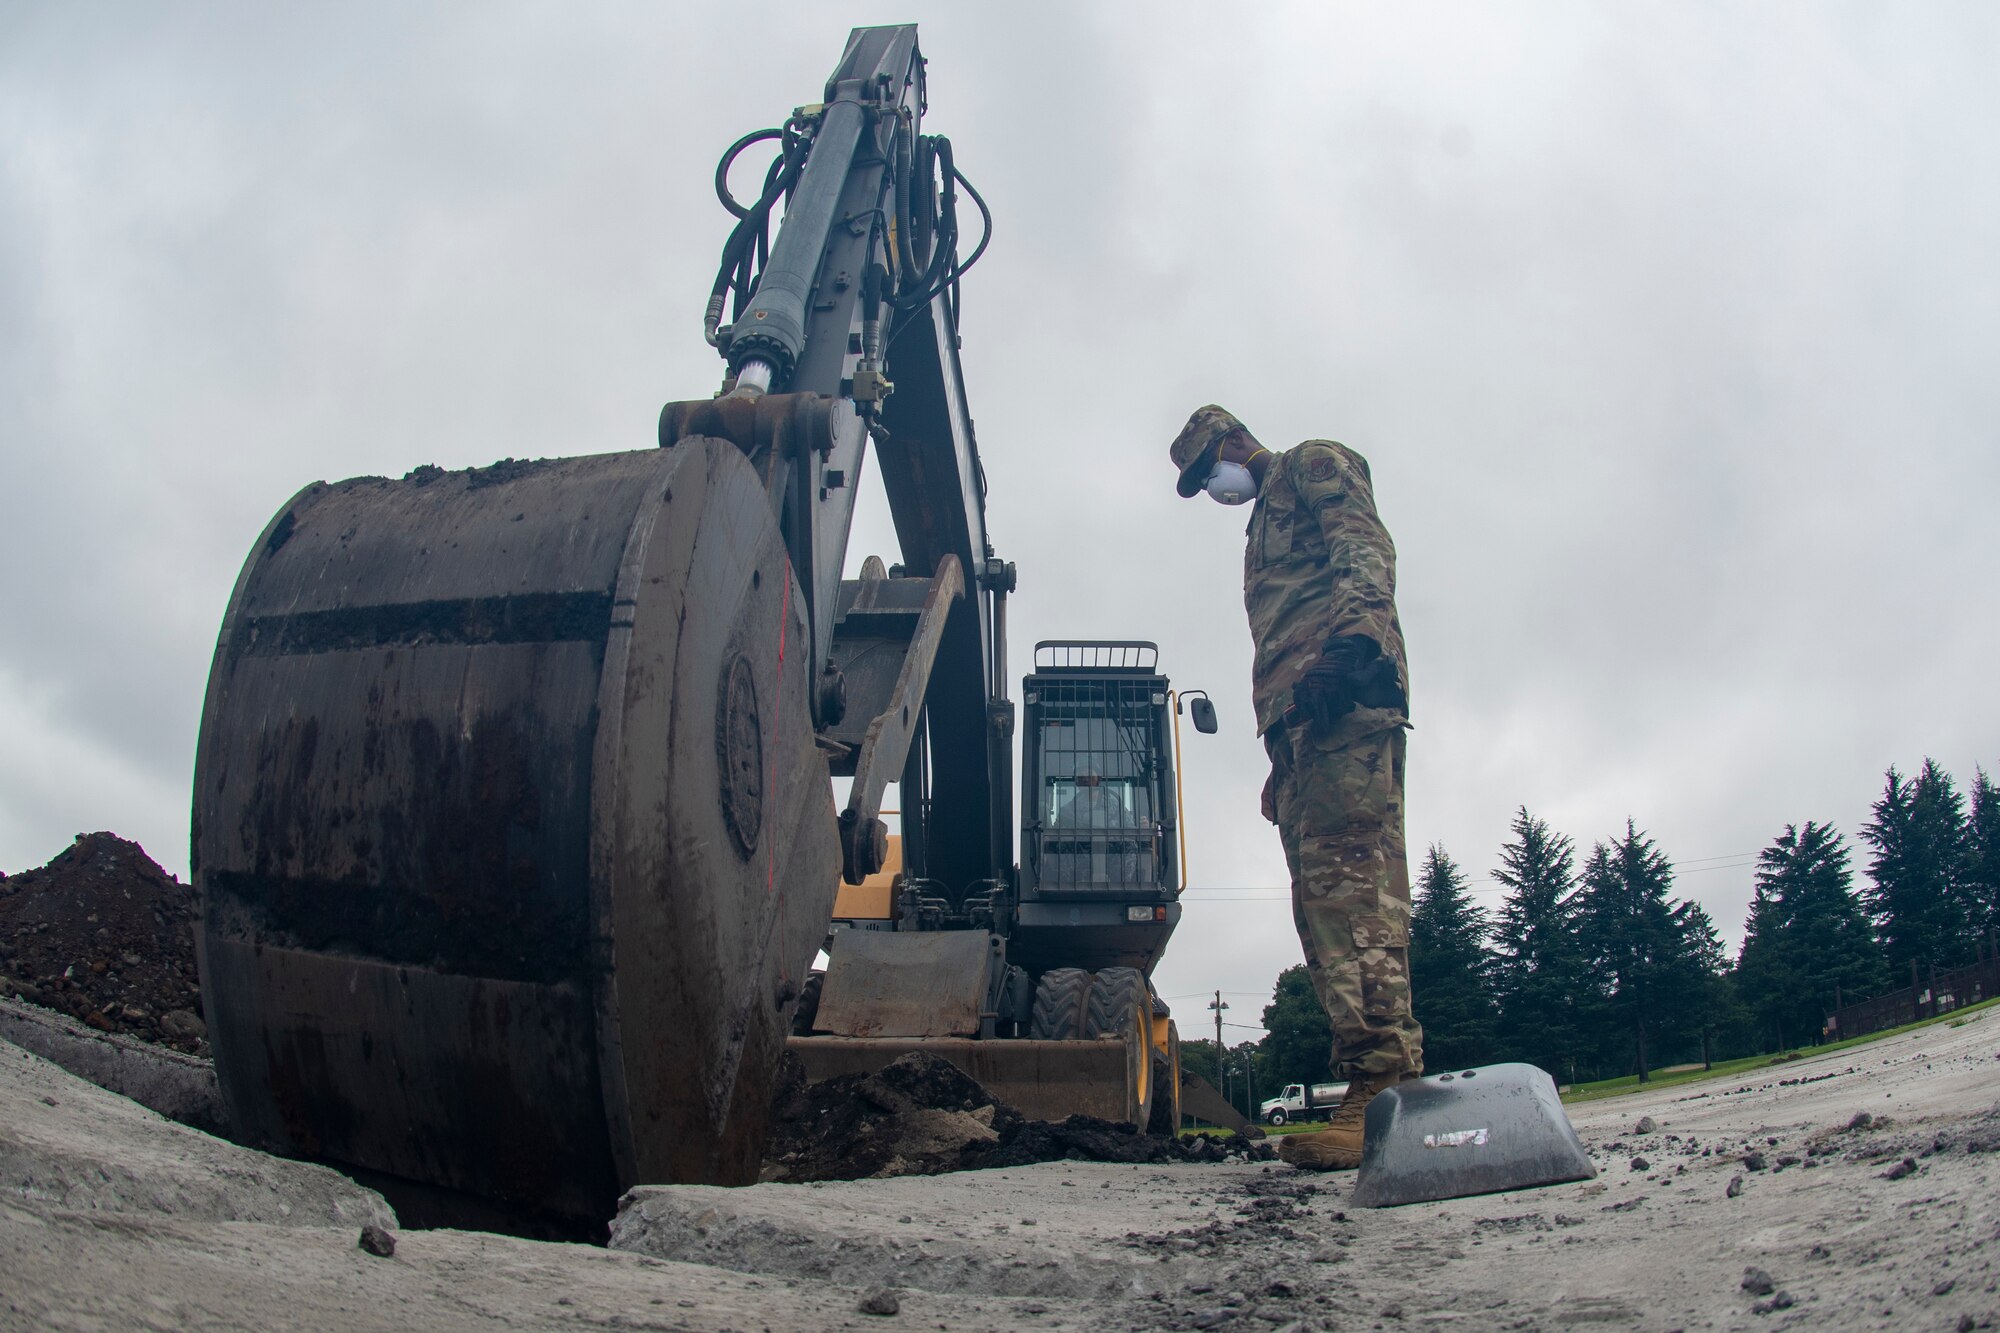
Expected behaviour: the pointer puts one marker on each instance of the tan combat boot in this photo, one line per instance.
(1338, 1146)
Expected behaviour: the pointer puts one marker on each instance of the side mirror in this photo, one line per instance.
(1203, 710)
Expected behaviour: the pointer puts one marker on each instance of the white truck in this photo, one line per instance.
(1300, 1101)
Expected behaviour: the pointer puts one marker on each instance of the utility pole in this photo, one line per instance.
(1221, 1069)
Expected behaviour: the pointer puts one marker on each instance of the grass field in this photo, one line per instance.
(1613, 1087)
(1678, 1074)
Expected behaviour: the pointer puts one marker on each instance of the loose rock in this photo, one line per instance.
(183, 1023)
(881, 1301)
(1758, 1282)
(1646, 1125)
(378, 1241)
(1735, 1187)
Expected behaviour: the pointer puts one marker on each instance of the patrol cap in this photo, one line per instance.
(1194, 449)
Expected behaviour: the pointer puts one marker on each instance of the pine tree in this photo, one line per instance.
(1765, 979)
(1539, 973)
(1919, 896)
(1451, 970)
(1635, 938)
(1835, 953)
(1712, 1005)
(1808, 945)
(1299, 1040)
(1982, 876)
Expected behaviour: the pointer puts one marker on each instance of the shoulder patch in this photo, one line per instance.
(1321, 467)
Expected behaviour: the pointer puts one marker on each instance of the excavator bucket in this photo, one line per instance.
(1475, 1131)
(513, 841)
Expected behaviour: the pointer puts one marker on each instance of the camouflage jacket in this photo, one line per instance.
(1319, 562)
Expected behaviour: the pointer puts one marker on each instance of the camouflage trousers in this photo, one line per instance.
(1339, 807)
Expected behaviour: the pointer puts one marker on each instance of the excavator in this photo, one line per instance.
(515, 814)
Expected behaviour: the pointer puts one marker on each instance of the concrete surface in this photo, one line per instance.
(1858, 1239)
(70, 1147)
(180, 1087)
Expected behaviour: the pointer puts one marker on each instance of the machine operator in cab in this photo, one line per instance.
(1331, 690)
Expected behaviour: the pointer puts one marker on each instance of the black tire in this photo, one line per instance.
(1165, 1119)
(806, 1012)
(1119, 994)
(1277, 1116)
(1120, 1002)
(1062, 997)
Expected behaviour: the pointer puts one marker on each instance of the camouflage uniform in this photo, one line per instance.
(1320, 563)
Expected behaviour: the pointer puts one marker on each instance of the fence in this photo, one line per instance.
(1929, 994)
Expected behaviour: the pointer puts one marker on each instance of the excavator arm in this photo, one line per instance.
(847, 331)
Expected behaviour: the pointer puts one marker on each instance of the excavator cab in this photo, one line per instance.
(1100, 861)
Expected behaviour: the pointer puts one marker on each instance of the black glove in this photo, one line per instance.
(1350, 672)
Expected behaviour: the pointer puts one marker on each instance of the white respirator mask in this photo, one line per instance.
(1231, 484)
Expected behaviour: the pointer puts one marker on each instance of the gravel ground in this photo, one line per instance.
(1758, 1204)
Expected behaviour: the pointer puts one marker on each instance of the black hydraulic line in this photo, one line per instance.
(747, 250)
(906, 207)
(941, 275)
(729, 159)
(944, 249)
(771, 328)
(986, 223)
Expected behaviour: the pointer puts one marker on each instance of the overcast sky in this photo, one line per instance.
(1669, 331)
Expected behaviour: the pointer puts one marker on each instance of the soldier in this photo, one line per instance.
(1330, 687)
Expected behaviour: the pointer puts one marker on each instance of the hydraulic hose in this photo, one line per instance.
(771, 326)
(729, 159)
(747, 250)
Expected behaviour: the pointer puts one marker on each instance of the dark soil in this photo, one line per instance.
(102, 934)
(859, 1125)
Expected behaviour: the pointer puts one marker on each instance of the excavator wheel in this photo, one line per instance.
(1062, 999)
(513, 841)
(1121, 1005)
(1166, 1117)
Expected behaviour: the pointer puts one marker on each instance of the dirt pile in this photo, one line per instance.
(102, 934)
(922, 1116)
